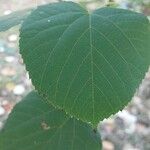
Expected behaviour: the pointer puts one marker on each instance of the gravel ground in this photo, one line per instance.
(127, 130)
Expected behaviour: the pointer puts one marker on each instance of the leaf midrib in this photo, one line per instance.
(91, 50)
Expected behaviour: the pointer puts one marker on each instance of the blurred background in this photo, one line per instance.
(127, 130)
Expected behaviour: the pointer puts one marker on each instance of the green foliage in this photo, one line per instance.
(84, 65)
(87, 64)
(35, 125)
(8, 21)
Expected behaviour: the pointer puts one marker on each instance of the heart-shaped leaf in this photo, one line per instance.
(34, 125)
(89, 64)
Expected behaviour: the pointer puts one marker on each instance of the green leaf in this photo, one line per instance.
(89, 64)
(34, 125)
(11, 20)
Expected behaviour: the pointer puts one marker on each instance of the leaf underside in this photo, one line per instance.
(34, 125)
(89, 64)
(11, 20)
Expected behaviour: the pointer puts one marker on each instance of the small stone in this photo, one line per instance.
(19, 90)
(2, 111)
(8, 71)
(107, 145)
(12, 38)
(9, 59)
(5, 102)
(108, 125)
(91, 6)
(137, 100)
(12, 44)
(7, 12)
(129, 147)
(10, 86)
(140, 128)
(7, 106)
(2, 49)
(129, 118)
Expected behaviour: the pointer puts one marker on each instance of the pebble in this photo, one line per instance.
(10, 86)
(8, 71)
(7, 106)
(129, 119)
(19, 89)
(9, 59)
(130, 147)
(2, 49)
(2, 111)
(12, 38)
(107, 145)
(7, 12)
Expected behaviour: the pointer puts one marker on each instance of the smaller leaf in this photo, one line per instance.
(13, 19)
(35, 125)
